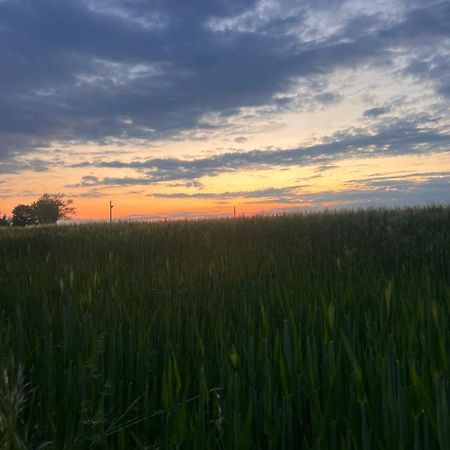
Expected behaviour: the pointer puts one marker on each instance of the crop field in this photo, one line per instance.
(325, 331)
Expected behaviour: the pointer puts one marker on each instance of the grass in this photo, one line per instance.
(327, 331)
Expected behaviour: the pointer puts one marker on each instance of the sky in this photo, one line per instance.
(176, 108)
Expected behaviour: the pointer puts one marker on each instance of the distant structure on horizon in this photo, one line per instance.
(110, 211)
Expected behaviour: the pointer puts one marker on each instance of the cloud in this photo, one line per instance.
(377, 111)
(402, 190)
(325, 167)
(432, 188)
(188, 184)
(97, 70)
(328, 98)
(11, 165)
(272, 193)
(405, 190)
(393, 139)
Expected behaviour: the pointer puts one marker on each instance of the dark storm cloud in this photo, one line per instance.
(99, 70)
(397, 138)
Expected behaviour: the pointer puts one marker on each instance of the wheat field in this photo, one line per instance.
(323, 331)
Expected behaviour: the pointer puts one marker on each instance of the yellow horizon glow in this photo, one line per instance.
(137, 201)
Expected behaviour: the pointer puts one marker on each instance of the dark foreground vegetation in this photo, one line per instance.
(326, 331)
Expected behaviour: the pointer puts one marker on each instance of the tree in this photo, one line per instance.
(51, 207)
(4, 222)
(23, 215)
(48, 209)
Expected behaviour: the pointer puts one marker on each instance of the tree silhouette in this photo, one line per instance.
(23, 215)
(48, 209)
(51, 207)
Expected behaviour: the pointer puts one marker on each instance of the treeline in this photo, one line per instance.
(47, 210)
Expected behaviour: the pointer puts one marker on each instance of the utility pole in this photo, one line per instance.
(110, 211)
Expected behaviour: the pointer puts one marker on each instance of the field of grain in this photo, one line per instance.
(327, 331)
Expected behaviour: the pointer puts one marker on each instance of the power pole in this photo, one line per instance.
(110, 211)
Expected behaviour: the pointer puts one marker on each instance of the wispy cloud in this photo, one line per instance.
(410, 189)
(272, 194)
(395, 139)
(396, 191)
(377, 111)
